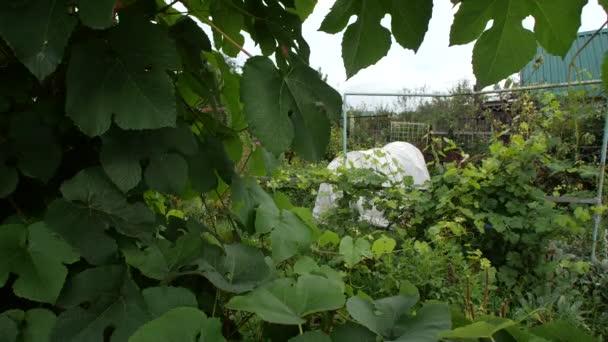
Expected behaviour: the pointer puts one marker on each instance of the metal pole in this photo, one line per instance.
(344, 124)
(597, 217)
(484, 92)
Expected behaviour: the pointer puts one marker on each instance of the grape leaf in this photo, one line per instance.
(123, 151)
(301, 114)
(90, 206)
(365, 41)
(311, 336)
(97, 14)
(113, 301)
(304, 8)
(247, 196)
(354, 250)
(557, 23)
(124, 77)
(38, 32)
(8, 329)
(36, 148)
(383, 246)
(37, 257)
(351, 332)
(161, 258)
(507, 46)
(285, 301)
(191, 41)
(8, 180)
(180, 324)
(288, 234)
(241, 269)
(167, 173)
(36, 325)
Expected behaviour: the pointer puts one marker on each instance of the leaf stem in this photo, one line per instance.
(300, 327)
(226, 36)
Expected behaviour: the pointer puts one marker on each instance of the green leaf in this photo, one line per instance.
(90, 206)
(247, 196)
(114, 301)
(366, 41)
(231, 89)
(161, 258)
(556, 23)
(383, 246)
(231, 22)
(39, 324)
(306, 265)
(36, 148)
(410, 21)
(382, 315)
(97, 14)
(8, 180)
(38, 32)
(167, 173)
(288, 234)
(8, 329)
(285, 301)
(338, 16)
(125, 77)
(37, 257)
(470, 21)
(329, 238)
(354, 250)
(241, 269)
(311, 336)
(480, 329)
(562, 331)
(301, 114)
(304, 8)
(351, 332)
(191, 42)
(494, 56)
(180, 324)
(425, 326)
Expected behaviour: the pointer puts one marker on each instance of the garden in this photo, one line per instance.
(152, 190)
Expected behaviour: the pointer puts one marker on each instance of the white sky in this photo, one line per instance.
(436, 65)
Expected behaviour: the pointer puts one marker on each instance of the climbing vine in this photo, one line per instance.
(105, 105)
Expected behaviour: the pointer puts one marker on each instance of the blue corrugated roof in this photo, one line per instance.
(554, 69)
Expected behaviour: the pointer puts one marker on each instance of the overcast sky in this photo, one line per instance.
(436, 65)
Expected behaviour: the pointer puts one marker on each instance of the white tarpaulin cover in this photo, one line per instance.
(395, 160)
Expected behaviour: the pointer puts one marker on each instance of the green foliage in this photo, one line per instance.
(127, 146)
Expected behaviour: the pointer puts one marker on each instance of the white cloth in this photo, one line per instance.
(396, 160)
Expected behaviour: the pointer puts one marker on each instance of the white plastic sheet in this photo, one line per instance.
(396, 160)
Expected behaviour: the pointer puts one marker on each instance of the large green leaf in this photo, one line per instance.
(97, 14)
(36, 325)
(162, 258)
(122, 152)
(351, 332)
(247, 196)
(114, 301)
(35, 146)
(507, 46)
(37, 257)
(167, 173)
(285, 301)
(123, 76)
(366, 41)
(354, 250)
(38, 32)
(90, 206)
(556, 23)
(241, 269)
(562, 331)
(390, 318)
(485, 328)
(295, 110)
(191, 41)
(410, 21)
(180, 324)
(8, 180)
(289, 235)
(311, 336)
(382, 315)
